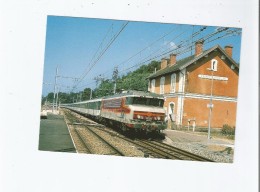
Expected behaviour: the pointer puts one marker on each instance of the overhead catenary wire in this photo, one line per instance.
(100, 45)
(179, 46)
(149, 58)
(101, 54)
(160, 49)
(185, 49)
(183, 46)
(151, 44)
(98, 49)
(208, 40)
(139, 52)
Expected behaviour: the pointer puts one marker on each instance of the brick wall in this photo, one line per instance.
(224, 112)
(194, 84)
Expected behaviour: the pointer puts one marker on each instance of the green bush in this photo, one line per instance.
(228, 130)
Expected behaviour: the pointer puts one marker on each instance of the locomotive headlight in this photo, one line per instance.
(159, 118)
(138, 117)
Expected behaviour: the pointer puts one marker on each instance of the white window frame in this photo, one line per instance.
(173, 83)
(153, 86)
(162, 81)
(181, 81)
(214, 64)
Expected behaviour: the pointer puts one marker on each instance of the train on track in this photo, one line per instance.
(129, 110)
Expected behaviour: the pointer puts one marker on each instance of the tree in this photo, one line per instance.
(135, 80)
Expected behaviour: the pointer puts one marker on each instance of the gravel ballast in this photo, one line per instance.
(219, 150)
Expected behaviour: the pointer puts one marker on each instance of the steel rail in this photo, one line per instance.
(105, 141)
(83, 141)
(70, 118)
(154, 148)
(168, 155)
(183, 152)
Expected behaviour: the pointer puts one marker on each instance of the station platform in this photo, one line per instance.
(54, 135)
(196, 137)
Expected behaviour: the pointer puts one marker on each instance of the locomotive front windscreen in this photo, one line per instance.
(144, 101)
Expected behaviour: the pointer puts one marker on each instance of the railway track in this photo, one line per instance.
(181, 152)
(95, 141)
(156, 149)
(81, 146)
(78, 141)
(88, 130)
(89, 140)
(170, 152)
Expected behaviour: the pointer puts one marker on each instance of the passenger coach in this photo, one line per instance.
(129, 110)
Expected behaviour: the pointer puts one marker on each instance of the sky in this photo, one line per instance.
(82, 49)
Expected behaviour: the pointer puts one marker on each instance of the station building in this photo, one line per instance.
(195, 84)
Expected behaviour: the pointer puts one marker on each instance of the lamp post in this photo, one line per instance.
(210, 105)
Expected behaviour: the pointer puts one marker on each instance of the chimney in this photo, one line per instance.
(199, 47)
(163, 63)
(172, 59)
(228, 49)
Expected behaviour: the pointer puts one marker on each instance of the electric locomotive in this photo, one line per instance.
(129, 110)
